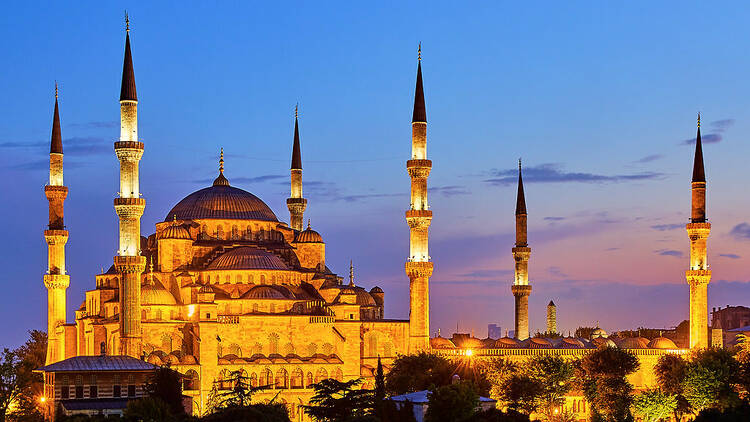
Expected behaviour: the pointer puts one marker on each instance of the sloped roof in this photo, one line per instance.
(99, 363)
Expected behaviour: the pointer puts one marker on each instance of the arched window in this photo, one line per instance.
(282, 378)
(115, 311)
(338, 375)
(255, 308)
(238, 279)
(273, 308)
(235, 233)
(262, 279)
(258, 349)
(253, 380)
(273, 343)
(190, 382)
(297, 379)
(373, 344)
(321, 375)
(166, 343)
(266, 378)
(158, 315)
(250, 278)
(220, 231)
(235, 349)
(387, 349)
(227, 279)
(224, 380)
(309, 379)
(249, 233)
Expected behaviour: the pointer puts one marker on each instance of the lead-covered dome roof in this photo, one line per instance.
(221, 201)
(247, 258)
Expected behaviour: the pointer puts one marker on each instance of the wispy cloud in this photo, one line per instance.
(666, 227)
(554, 218)
(722, 125)
(554, 173)
(668, 252)
(556, 272)
(77, 145)
(241, 179)
(95, 125)
(741, 231)
(362, 197)
(649, 158)
(449, 191)
(730, 255)
(491, 273)
(718, 127)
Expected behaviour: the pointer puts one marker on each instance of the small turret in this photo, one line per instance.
(296, 203)
(521, 288)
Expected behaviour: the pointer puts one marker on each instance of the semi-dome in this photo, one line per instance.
(602, 342)
(221, 201)
(536, 343)
(175, 232)
(364, 298)
(441, 343)
(247, 258)
(376, 289)
(506, 343)
(265, 292)
(309, 236)
(633, 343)
(156, 294)
(598, 332)
(662, 343)
(571, 343)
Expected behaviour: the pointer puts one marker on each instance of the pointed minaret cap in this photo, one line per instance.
(351, 273)
(221, 180)
(699, 174)
(520, 197)
(127, 91)
(296, 151)
(55, 146)
(551, 303)
(419, 115)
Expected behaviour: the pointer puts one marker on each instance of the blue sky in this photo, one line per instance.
(600, 101)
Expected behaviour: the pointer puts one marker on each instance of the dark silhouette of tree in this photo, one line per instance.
(418, 372)
(18, 383)
(521, 393)
(711, 376)
(165, 384)
(602, 378)
(337, 401)
(454, 402)
(379, 390)
(148, 409)
(670, 374)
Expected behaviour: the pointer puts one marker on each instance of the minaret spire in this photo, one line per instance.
(418, 217)
(351, 273)
(521, 288)
(129, 207)
(698, 275)
(296, 203)
(56, 280)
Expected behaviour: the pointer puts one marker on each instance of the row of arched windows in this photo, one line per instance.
(286, 349)
(266, 378)
(579, 406)
(249, 278)
(237, 233)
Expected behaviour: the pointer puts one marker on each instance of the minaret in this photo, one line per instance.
(551, 317)
(56, 280)
(521, 288)
(296, 203)
(129, 207)
(419, 267)
(698, 230)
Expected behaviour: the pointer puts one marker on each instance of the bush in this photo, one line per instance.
(454, 402)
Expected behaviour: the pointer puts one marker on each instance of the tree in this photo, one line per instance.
(498, 372)
(165, 384)
(337, 401)
(10, 385)
(148, 409)
(710, 380)
(418, 372)
(454, 402)
(394, 413)
(30, 356)
(555, 377)
(521, 393)
(259, 412)
(670, 374)
(602, 378)
(379, 397)
(654, 405)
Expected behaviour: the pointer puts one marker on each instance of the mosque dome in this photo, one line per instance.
(265, 292)
(309, 236)
(156, 294)
(247, 258)
(602, 342)
(506, 343)
(175, 232)
(598, 332)
(662, 343)
(536, 343)
(221, 201)
(441, 343)
(633, 343)
(571, 343)
(376, 289)
(364, 298)
(471, 343)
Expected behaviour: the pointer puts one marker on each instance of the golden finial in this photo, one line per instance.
(127, 22)
(419, 51)
(308, 224)
(296, 111)
(221, 161)
(519, 163)
(351, 273)
(55, 89)
(699, 120)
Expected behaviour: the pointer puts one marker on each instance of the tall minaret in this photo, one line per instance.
(521, 288)
(296, 203)
(129, 207)
(698, 230)
(551, 317)
(419, 267)
(56, 280)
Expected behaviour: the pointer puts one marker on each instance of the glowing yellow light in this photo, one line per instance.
(42, 399)
(469, 352)
(557, 411)
(191, 310)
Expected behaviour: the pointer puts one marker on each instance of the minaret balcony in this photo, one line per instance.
(520, 289)
(698, 276)
(56, 236)
(419, 169)
(54, 192)
(56, 281)
(130, 264)
(418, 269)
(129, 208)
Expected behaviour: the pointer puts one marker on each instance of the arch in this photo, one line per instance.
(387, 349)
(266, 378)
(190, 381)
(235, 349)
(159, 315)
(250, 278)
(249, 233)
(312, 349)
(220, 231)
(228, 279)
(241, 376)
(273, 343)
(253, 380)
(255, 308)
(224, 380)
(115, 311)
(372, 344)
(235, 233)
(273, 308)
(282, 379)
(309, 379)
(338, 375)
(166, 342)
(297, 379)
(262, 279)
(288, 349)
(320, 375)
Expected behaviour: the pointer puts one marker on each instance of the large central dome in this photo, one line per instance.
(221, 201)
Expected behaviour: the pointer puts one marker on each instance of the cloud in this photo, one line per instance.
(666, 227)
(449, 191)
(556, 272)
(612, 249)
(77, 145)
(722, 125)
(669, 252)
(649, 158)
(256, 179)
(42, 165)
(741, 231)
(357, 198)
(710, 138)
(492, 273)
(553, 173)
(730, 255)
(554, 218)
(95, 125)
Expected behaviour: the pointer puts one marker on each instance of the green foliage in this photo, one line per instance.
(498, 373)
(670, 374)
(337, 401)
(238, 396)
(710, 378)
(18, 384)
(454, 402)
(10, 385)
(555, 377)
(521, 393)
(148, 409)
(654, 405)
(394, 413)
(165, 384)
(601, 377)
(418, 372)
(379, 393)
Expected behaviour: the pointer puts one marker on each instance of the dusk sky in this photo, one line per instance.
(600, 100)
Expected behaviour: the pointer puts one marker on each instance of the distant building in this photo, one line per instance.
(730, 317)
(494, 331)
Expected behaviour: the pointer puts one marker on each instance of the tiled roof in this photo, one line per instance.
(247, 258)
(99, 363)
(221, 202)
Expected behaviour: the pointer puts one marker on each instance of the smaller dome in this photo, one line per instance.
(506, 343)
(488, 343)
(265, 292)
(662, 343)
(376, 289)
(175, 232)
(601, 342)
(536, 343)
(364, 298)
(441, 343)
(471, 343)
(598, 332)
(247, 258)
(156, 294)
(571, 343)
(309, 236)
(346, 290)
(633, 343)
